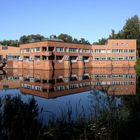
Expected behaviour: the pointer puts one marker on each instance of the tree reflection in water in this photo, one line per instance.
(111, 117)
(110, 120)
(18, 119)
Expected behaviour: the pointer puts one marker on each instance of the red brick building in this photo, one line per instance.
(118, 81)
(55, 54)
(9, 52)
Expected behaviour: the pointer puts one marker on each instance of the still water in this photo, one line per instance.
(77, 90)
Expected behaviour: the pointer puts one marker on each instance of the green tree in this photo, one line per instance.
(75, 40)
(65, 37)
(10, 43)
(83, 41)
(131, 29)
(113, 35)
(31, 38)
(101, 41)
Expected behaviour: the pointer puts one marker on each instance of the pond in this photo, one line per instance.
(96, 103)
(77, 90)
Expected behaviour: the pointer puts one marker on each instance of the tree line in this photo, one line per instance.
(37, 37)
(131, 30)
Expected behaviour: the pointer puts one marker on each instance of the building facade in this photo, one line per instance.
(52, 84)
(9, 52)
(53, 54)
(118, 81)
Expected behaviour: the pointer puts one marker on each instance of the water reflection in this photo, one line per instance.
(90, 102)
(51, 84)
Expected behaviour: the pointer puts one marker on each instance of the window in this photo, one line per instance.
(44, 57)
(59, 57)
(126, 58)
(73, 86)
(73, 50)
(51, 48)
(131, 58)
(38, 88)
(97, 51)
(100, 58)
(44, 49)
(117, 58)
(108, 51)
(131, 51)
(108, 58)
(37, 57)
(37, 49)
(80, 50)
(125, 51)
(60, 88)
(117, 51)
(92, 51)
(32, 50)
(86, 51)
(27, 50)
(27, 58)
(100, 51)
(73, 57)
(37, 80)
(86, 57)
(60, 49)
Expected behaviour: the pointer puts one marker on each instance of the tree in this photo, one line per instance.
(10, 43)
(31, 38)
(131, 29)
(65, 37)
(83, 41)
(113, 35)
(75, 40)
(101, 41)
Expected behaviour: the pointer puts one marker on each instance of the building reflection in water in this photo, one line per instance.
(51, 84)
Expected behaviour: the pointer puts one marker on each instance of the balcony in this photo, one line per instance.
(73, 59)
(86, 59)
